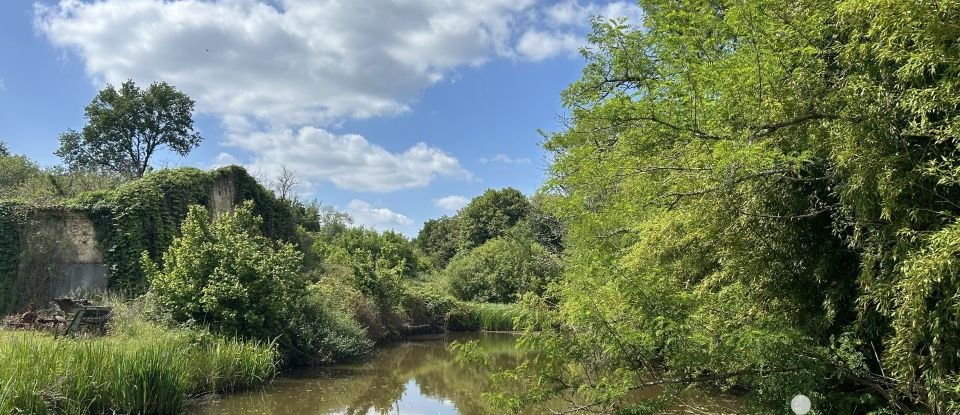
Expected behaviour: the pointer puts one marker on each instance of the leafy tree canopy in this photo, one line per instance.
(438, 239)
(490, 215)
(762, 195)
(126, 126)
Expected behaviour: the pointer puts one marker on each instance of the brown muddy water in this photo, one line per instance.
(414, 377)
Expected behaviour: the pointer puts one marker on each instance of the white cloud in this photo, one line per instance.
(504, 159)
(348, 161)
(225, 159)
(364, 213)
(299, 62)
(569, 20)
(278, 73)
(451, 203)
(574, 13)
(538, 45)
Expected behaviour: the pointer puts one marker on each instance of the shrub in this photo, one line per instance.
(501, 270)
(228, 276)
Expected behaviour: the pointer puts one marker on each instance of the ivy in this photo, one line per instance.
(10, 229)
(145, 216)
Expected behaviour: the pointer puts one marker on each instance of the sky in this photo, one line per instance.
(393, 111)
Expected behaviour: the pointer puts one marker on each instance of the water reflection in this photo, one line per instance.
(416, 377)
(410, 378)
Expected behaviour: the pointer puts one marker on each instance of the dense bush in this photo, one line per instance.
(230, 277)
(501, 270)
(378, 262)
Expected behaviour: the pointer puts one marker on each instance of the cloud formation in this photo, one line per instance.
(309, 61)
(348, 161)
(279, 73)
(452, 203)
(296, 62)
(364, 213)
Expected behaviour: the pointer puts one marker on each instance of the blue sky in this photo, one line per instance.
(395, 112)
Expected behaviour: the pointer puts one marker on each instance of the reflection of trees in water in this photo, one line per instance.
(377, 386)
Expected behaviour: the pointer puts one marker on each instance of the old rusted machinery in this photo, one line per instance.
(83, 315)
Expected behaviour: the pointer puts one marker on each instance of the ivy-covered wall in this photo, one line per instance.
(10, 224)
(142, 216)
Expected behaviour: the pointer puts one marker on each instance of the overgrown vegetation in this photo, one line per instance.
(501, 270)
(226, 275)
(761, 196)
(142, 367)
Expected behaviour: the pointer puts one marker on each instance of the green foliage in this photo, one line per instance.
(490, 215)
(379, 262)
(501, 270)
(438, 239)
(11, 222)
(761, 195)
(144, 369)
(23, 180)
(126, 126)
(280, 217)
(4, 152)
(326, 332)
(227, 275)
(14, 172)
(145, 215)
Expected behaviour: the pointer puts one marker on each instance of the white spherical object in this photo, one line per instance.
(800, 404)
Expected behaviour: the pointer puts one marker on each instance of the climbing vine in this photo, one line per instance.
(145, 215)
(11, 218)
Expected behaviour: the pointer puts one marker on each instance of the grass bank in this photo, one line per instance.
(141, 367)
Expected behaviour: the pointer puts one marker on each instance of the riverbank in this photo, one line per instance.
(140, 367)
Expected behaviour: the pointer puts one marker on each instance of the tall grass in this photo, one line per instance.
(487, 317)
(141, 367)
(499, 317)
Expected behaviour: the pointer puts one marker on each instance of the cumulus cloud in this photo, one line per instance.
(348, 161)
(292, 62)
(278, 73)
(451, 203)
(504, 159)
(364, 213)
(309, 61)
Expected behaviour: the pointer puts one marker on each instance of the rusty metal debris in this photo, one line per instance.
(72, 316)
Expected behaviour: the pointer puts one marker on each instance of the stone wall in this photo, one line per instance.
(60, 255)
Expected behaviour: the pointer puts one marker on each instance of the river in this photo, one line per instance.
(413, 377)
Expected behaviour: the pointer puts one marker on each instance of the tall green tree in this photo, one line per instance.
(127, 126)
(4, 152)
(490, 215)
(438, 239)
(762, 195)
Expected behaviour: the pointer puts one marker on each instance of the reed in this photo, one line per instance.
(144, 369)
(498, 317)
